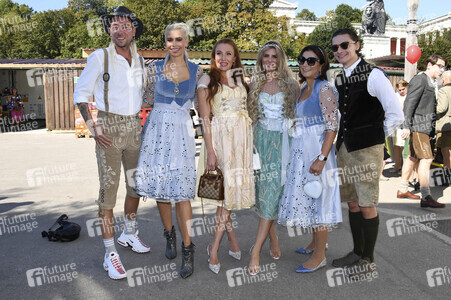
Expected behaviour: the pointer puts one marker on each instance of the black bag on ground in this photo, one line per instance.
(62, 230)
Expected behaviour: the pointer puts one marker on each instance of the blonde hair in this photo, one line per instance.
(286, 82)
(177, 26)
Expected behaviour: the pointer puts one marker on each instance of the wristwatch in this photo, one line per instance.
(321, 157)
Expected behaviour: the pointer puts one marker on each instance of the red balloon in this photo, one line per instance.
(413, 54)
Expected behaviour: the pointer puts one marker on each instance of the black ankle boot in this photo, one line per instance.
(171, 251)
(187, 260)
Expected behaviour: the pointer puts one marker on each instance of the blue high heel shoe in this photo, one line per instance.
(307, 251)
(303, 269)
(304, 251)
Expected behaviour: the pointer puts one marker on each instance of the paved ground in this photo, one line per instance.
(44, 175)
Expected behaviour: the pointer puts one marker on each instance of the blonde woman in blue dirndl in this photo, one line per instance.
(166, 166)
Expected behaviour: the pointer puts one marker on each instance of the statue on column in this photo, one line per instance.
(373, 18)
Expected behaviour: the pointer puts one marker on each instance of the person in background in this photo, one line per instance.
(398, 141)
(419, 112)
(17, 108)
(443, 125)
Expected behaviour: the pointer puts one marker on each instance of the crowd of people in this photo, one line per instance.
(309, 136)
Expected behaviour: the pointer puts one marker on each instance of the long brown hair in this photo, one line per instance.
(215, 73)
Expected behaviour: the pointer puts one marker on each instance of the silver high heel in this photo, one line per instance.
(214, 268)
(235, 255)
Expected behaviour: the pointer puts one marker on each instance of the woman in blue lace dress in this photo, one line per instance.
(312, 158)
(166, 166)
(272, 97)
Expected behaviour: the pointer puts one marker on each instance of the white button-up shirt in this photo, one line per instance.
(125, 87)
(380, 87)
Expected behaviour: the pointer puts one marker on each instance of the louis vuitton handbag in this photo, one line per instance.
(211, 185)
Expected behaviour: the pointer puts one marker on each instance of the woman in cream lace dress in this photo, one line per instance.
(227, 141)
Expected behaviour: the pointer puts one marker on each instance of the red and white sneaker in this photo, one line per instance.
(133, 241)
(113, 265)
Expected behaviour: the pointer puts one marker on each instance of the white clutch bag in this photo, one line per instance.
(256, 160)
(313, 188)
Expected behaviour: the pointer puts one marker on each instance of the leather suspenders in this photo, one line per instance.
(106, 79)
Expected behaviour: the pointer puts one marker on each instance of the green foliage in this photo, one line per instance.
(8, 6)
(434, 43)
(14, 19)
(306, 15)
(156, 15)
(249, 23)
(354, 15)
(322, 34)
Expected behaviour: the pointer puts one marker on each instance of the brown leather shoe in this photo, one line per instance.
(431, 202)
(407, 195)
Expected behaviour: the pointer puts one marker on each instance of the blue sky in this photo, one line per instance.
(397, 9)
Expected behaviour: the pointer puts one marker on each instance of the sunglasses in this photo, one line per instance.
(343, 46)
(310, 61)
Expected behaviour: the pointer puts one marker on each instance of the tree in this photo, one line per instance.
(322, 34)
(156, 15)
(354, 15)
(330, 14)
(8, 6)
(306, 15)
(249, 23)
(15, 19)
(85, 30)
(434, 43)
